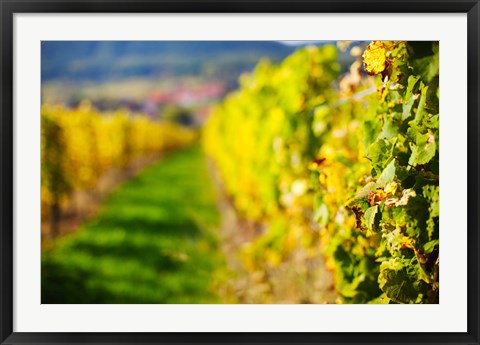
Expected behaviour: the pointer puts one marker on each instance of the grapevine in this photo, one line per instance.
(342, 166)
(80, 145)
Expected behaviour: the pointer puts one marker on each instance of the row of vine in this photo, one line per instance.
(344, 166)
(80, 145)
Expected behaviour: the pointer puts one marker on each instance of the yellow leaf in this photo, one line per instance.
(374, 58)
(390, 188)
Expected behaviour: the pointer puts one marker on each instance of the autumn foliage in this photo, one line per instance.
(342, 166)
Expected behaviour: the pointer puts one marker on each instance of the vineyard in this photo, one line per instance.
(326, 188)
(79, 146)
(346, 167)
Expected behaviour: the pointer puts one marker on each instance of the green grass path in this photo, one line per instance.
(152, 242)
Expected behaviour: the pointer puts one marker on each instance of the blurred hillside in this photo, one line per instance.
(100, 61)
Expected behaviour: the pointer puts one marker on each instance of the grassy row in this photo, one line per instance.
(151, 243)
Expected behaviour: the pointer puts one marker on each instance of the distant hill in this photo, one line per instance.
(98, 61)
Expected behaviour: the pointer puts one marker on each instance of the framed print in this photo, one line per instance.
(239, 172)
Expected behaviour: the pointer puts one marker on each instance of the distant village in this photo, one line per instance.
(185, 104)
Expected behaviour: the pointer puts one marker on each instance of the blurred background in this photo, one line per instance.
(168, 80)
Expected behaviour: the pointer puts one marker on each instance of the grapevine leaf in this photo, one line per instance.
(424, 150)
(370, 218)
(410, 97)
(388, 174)
(407, 108)
(374, 58)
(390, 128)
(431, 226)
(432, 122)
(425, 61)
(430, 246)
(369, 187)
(398, 285)
(379, 153)
(398, 215)
(420, 113)
(412, 81)
(370, 133)
(401, 172)
(431, 193)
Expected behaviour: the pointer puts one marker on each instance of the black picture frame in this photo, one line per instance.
(9, 8)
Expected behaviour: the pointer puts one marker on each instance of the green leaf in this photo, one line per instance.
(398, 285)
(425, 61)
(407, 108)
(379, 153)
(432, 122)
(370, 133)
(423, 150)
(369, 187)
(420, 113)
(370, 218)
(388, 174)
(431, 194)
(409, 97)
(398, 215)
(390, 128)
(432, 226)
(430, 246)
(412, 81)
